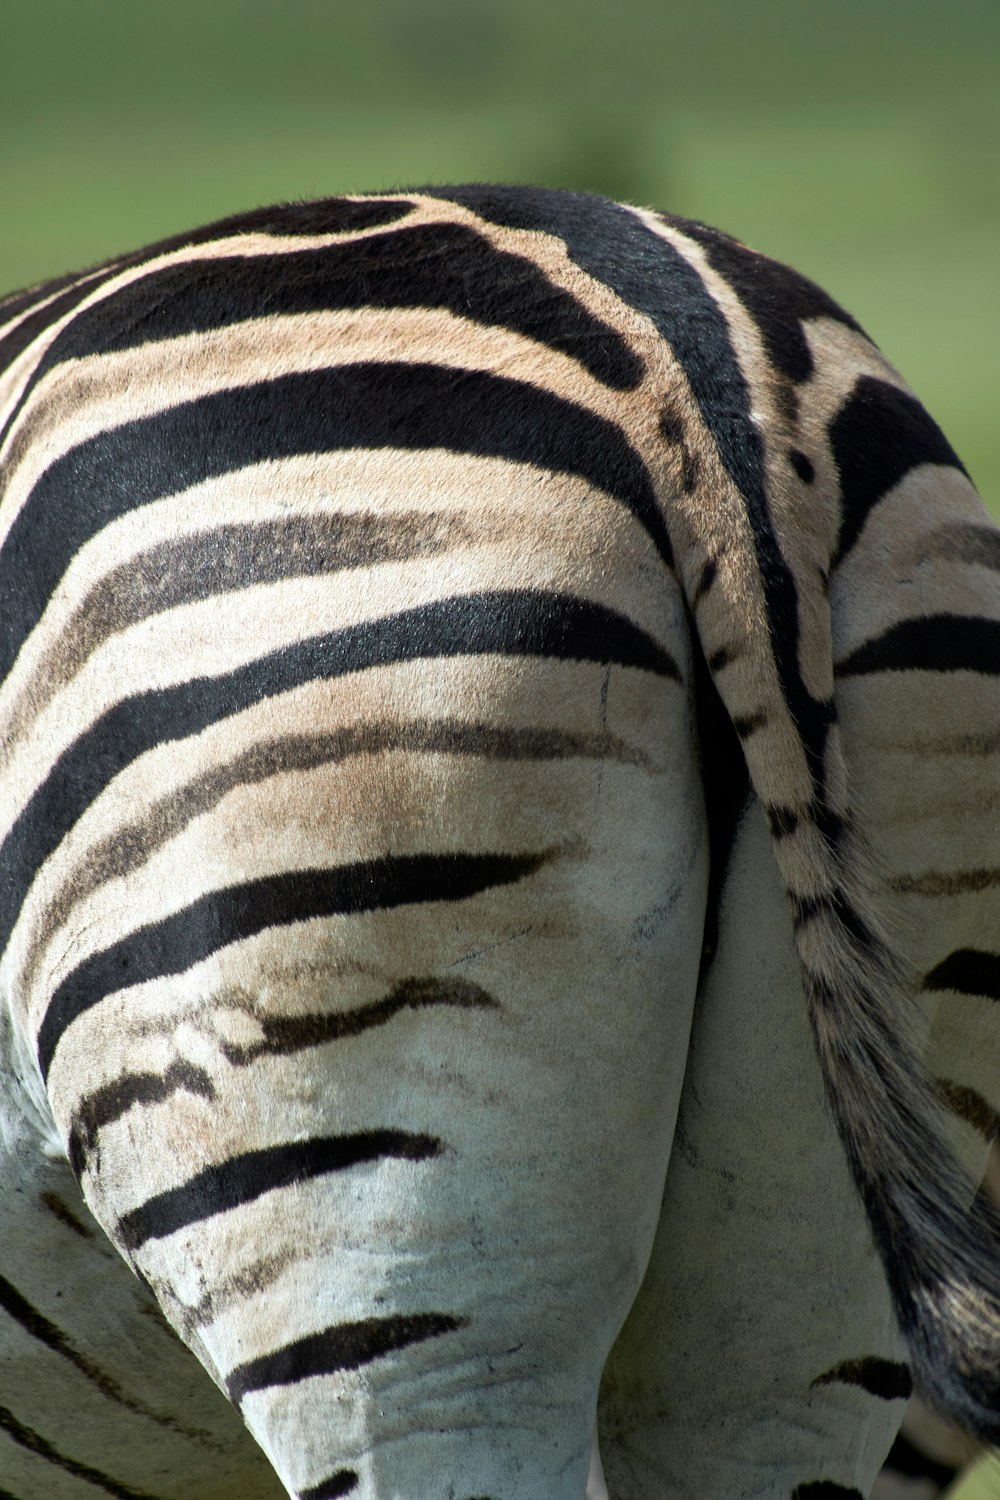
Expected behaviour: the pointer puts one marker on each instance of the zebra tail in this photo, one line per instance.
(938, 1238)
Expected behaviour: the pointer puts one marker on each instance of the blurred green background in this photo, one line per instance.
(857, 139)
(982, 1483)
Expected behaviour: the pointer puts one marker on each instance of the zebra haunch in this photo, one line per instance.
(499, 883)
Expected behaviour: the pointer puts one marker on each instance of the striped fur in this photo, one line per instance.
(495, 684)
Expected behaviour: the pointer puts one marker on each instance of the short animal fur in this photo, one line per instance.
(480, 667)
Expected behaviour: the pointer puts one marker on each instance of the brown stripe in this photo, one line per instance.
(940, 883)
(109, 1103)
(978, 545)
(35, 1443)
(47, 1333)
(285, 1034)
(128, 848)
(177, 573)
(65, 1216)
(970, 1106)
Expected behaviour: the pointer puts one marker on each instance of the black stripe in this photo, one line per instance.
(132, 844)
(326, 216)
(969, 971)
(778, 299)
(39, 1327)
(969, 1105)
(316, 216)
(33, 1442)
(722, 656)
(888, 1379)
(829, 824)
(825, 1489)
(511, 623)
(675, 432)
(835, 905)
(245, 1178)
(447, 266)
(749, 724)
(344, 1346)
(241, 911)
(284, 1034)
(880, 434)
(224, 560)
(59, 1210)
(782, 822)
(344, 1482)
(802, 464)
(15, 303)
(320, 216)
(352, 406)
(904, 1458)
(727, 783)
(105, 1105)
(708, 575)
(17, 340)
(612, 244)
(929, 643)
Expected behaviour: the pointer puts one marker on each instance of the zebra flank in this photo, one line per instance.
(499, 874)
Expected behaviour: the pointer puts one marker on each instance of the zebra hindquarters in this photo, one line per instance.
(382, 1014)
(97, 1393)
(790, 1381)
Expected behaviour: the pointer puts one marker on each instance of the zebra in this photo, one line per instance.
(500, 910)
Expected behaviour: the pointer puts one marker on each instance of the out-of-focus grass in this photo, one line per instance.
(858, 142)
(981, 1483)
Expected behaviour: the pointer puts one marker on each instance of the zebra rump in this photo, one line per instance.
(407, 605)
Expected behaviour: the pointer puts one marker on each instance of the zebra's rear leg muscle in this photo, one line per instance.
(762, 1230)
(402, 1175)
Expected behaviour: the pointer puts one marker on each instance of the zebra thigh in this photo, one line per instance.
(369, 1053)
(99, 1396)
(793, 1373)
(761, 1356)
